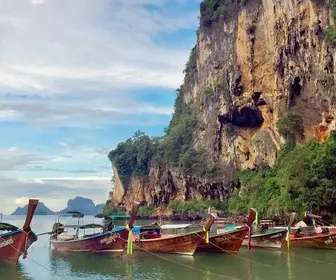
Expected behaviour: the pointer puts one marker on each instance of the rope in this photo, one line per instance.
(184, 265)
(271, 249)
(232, 253)
(309, 259)
(29, 258)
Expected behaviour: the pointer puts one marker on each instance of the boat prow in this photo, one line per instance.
(15, 242)
(228, 241)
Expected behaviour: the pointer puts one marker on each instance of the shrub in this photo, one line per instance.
(195, 206)
(191, 65)
(330, 32)
(146, 211)
(208, 91)
(291, 126)
(330, 35)
(211, 10)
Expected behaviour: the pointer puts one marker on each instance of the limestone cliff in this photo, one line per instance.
(255, 62)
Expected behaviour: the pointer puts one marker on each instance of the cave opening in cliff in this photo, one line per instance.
(249, 117)
(245, 117)
(295, 90)
(239, 89)
(296, 87)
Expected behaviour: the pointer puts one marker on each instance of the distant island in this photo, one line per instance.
(41, 209)
(82, 204)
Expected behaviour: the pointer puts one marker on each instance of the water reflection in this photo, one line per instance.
(87, 264)
(13, 271)
(289, 266)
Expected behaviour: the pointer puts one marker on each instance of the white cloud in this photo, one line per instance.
(54, 192)
(81, 63)
(92, 54)
(109, 42)
(12, 158)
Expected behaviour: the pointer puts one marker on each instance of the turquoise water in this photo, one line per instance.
(44, 263)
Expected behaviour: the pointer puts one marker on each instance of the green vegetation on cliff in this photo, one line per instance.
(211, 10)
(330, 32)
(303, 179)
(290, 126)
(195, 206)
(135, 156)
(110, 209)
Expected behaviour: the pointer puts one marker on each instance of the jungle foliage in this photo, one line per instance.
(303, 179)
(330, 32)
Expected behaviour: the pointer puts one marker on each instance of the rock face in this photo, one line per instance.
(84, 205)
(41, 209)
(263, 59)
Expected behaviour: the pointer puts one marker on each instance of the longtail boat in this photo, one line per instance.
(268, 238)
(228, 241)
(316, 236)
(185, 244)
(15, 242)
(107, 241)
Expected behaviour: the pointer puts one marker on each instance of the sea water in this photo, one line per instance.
(43, 263)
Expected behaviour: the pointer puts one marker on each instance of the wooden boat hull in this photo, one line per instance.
(319, 241)
(185, 244)
(228, 242)
(274, 239)
(112, 243)
(13, 244)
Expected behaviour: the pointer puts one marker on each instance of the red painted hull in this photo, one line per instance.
(12, 245)
(112, 243)
(322, 241)
(267, 240)
(184, 244)
(228, 242)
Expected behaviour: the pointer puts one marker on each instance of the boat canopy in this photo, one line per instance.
(73, 214)
(91, 226)
(112, 217)
(81, 226)
(119, 217)
(314, 216)
(175, 226)
(7, 227)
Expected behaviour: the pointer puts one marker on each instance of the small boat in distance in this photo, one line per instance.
(228, 241)
(107, 241)
(14, 241)
(151, 240)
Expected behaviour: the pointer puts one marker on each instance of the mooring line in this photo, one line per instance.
(284, 251)
(234, 254)
(184, 265)
(36, 262)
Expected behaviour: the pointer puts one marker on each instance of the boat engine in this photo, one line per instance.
(57, 228)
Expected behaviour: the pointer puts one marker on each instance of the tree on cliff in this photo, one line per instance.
(133, 156)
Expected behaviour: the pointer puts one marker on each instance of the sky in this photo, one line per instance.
(78, 77)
